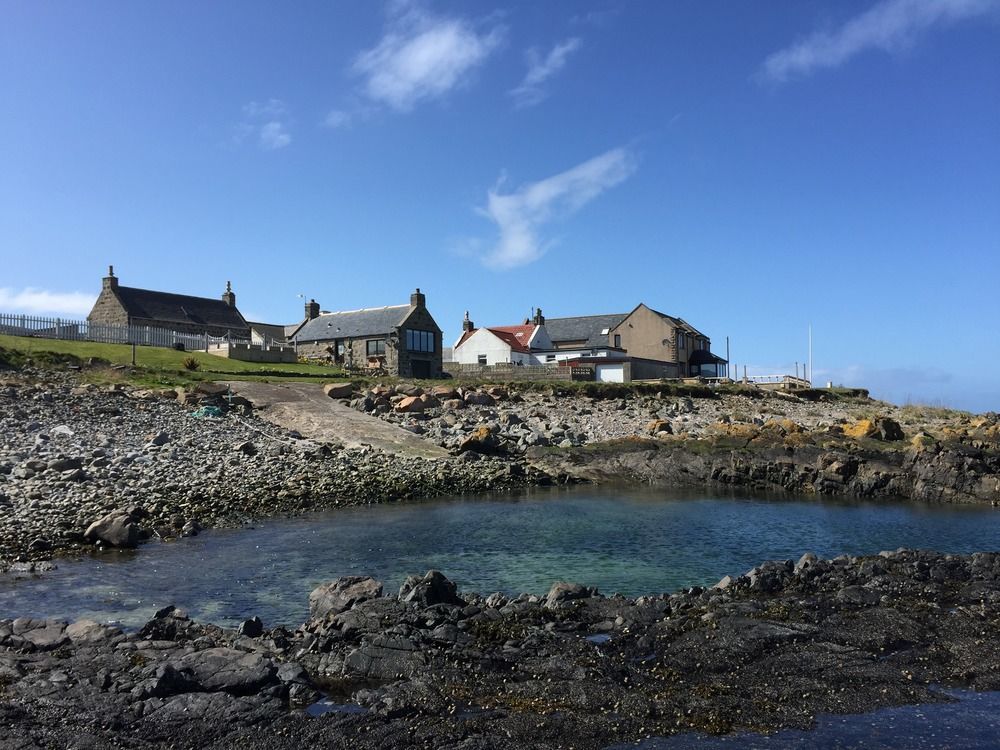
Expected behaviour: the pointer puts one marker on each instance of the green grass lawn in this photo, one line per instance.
(155, 365)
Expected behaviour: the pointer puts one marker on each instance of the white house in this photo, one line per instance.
(500, 344)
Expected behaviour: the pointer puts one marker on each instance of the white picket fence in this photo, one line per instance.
(81, 330)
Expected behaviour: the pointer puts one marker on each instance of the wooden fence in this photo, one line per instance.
(81, 330)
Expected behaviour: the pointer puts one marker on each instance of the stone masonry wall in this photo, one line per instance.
(108, 310)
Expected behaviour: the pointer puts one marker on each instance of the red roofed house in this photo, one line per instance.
(500, 344)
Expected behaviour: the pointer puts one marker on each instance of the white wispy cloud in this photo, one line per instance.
(271, 109)
(422, 56)
(540, 70)
(521, 214)
(268, 122)
(888, 25)
(337, 118)
(274, 135)
(45, 302)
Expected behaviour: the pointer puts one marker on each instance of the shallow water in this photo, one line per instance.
(972, 722)
(631, 541)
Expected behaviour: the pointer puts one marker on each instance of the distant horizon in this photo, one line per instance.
(752, 169)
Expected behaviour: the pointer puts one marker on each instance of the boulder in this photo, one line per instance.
(888, 430)
(657, 426)
(481, 440)
(208, 388)
(158, 438)
(863, 428)
(477, 398)
(228, 670)
(563, 591)
(409, 404)
(432, 589)
(246, 447)
(342, 594)
(338, 390)
(118, 528)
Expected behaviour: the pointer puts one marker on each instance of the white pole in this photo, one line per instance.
(810, 353)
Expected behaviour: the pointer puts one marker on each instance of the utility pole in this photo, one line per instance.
(810, 377)
(727, 356)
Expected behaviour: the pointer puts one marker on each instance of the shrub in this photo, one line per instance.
(190, 363)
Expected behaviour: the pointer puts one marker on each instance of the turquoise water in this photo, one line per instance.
(631, 541)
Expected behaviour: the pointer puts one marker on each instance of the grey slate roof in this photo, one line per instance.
(679, 323)
(374, 321)
(180, 308)
(587, 328)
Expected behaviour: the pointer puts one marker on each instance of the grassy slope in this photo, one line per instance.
(161, 365)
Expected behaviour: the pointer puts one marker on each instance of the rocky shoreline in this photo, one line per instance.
(113, 465)
(84, 465)
(435, 667)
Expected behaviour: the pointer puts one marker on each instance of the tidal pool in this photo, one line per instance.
(633, 541)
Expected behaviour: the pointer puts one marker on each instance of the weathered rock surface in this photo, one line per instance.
(773, 648)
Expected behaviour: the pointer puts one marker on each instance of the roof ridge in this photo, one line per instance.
(360, 309)
(171, 294)
(577, 317)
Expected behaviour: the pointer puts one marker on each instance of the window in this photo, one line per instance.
(420, 341)
(618, 341)
(680, 340)
(375, 348)
(550, 357)
(481, 359)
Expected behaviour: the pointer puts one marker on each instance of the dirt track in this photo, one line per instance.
(304, 407)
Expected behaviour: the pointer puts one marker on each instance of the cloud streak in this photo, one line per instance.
(422, 57)
(267, 122)
(531, 91)
(889, 25)
(521, 215)
(45, 302)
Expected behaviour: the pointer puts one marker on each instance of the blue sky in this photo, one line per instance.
(751, 167)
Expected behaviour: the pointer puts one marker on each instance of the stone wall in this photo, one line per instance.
(508, 372)
(418, 320)
(108, 310)
(253, 353)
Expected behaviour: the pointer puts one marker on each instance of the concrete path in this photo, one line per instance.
(304, 407)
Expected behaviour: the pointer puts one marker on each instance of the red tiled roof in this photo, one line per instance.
(516, 337)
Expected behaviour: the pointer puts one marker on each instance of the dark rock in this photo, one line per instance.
(251, 628)
(433, 588)
(340, 595)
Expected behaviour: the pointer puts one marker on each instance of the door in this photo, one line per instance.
(611, 373)
(420, 368)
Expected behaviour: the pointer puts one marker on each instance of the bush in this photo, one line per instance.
(190, 363)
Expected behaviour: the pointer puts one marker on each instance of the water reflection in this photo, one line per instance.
(631, 541)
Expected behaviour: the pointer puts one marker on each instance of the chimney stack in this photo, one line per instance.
(110, 281)
(312, 309)
(417, 299)
(228, 297)
(539, 319)
(468, 325)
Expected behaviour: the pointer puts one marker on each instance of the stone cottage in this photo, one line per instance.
(402, 340)
(128, 306)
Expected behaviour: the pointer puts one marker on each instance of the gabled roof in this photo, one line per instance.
(179, 308)
(678, 322)
(373, 321)
(521, 335)
(590, 329)
(516, 337)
